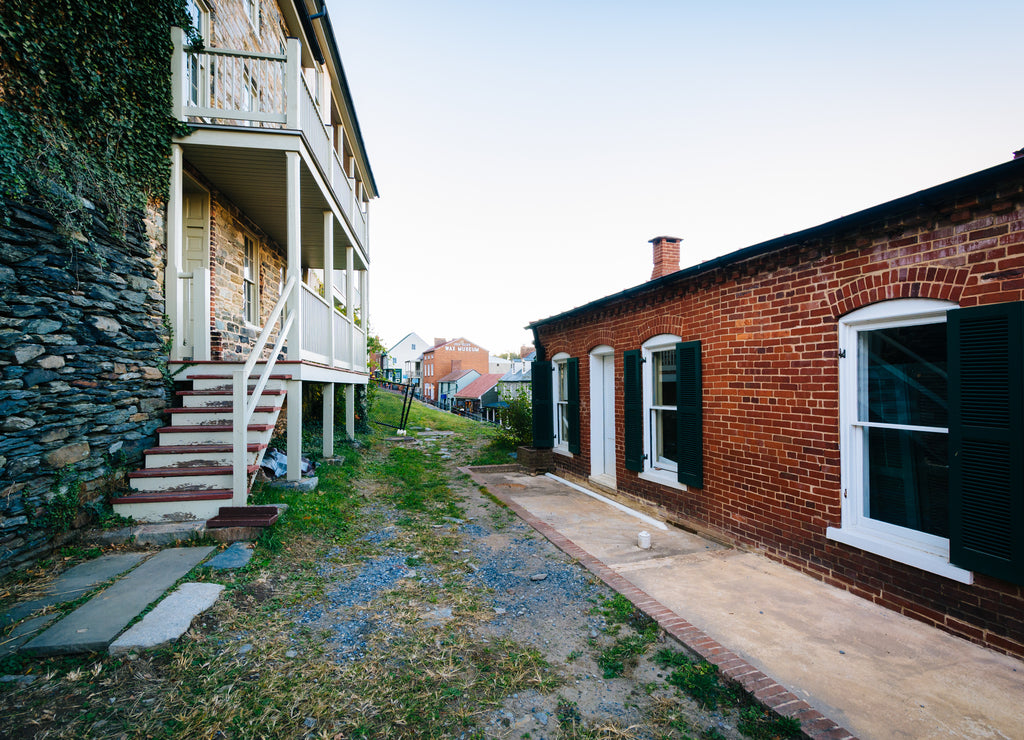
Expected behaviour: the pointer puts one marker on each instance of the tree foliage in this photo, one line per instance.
(516, 419)
(85, 104)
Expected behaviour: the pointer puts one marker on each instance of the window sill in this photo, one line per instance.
(900, 551)
(663, 478)
(564, 451)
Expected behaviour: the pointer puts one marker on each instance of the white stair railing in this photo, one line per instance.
(243, 408)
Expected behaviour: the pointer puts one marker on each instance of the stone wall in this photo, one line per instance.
(81, 387)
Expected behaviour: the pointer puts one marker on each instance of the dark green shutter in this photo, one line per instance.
(543, 410)
(689, 415)
(633, 409)
(986, 439)
(572, 366)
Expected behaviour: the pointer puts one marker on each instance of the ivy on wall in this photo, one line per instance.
(85, 103)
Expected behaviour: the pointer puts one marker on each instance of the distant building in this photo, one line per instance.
(452, 383)
(402, 362)
(479, 397)
(499, 365)
(445, 357)
(513, 382)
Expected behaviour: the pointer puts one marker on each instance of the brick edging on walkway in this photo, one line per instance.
(765, 689)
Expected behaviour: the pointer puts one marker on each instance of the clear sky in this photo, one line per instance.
(526, 151)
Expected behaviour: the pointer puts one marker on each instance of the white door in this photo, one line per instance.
(602, 416)
(196, 256)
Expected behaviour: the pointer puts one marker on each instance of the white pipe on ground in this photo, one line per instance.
(642, 517)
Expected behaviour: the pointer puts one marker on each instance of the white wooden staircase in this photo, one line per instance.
(189, 474)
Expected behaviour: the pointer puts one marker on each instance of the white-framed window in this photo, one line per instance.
(894, 433)
(560, 400)
(660, 386)
(252, 12)
(250, 281)
(198, 81)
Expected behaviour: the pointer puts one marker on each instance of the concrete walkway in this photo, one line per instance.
(843, 666)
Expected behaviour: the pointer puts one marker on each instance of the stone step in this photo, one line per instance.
(94, 625)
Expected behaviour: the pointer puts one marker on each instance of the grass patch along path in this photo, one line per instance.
(396, 601)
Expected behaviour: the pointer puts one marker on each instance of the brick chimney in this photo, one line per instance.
(439, 341)
(666, 256)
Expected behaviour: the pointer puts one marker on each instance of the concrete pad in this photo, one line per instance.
(236, 556)
(169, 619)
(875, 672)
(75, 582)
(95, 624)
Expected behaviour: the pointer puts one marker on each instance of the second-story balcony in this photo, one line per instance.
(268, 98)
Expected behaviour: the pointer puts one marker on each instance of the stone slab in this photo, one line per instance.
(75, 582)
(24, 632)
(95, 624)
(169, 619)
(305, 485)
(236, 556)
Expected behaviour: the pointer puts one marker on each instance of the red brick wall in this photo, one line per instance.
(768, 328)
(447, 358)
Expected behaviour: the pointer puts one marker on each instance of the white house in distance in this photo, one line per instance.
(402, 362)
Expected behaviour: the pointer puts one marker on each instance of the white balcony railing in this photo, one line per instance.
(316, 332)
(267, 91)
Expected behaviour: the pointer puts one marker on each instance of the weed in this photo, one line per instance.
(758, 723)
(63, 503)
(698, 679)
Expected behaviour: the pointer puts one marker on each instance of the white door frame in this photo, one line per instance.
(602, 415)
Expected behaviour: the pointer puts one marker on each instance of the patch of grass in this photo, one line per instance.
(759, 723)
(498, 452)
(699, 679)
(418, 484)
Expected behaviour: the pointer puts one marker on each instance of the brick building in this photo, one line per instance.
(446, 357)
(848, 400)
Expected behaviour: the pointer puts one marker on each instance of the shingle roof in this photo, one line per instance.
(454, 375)
(480, 386)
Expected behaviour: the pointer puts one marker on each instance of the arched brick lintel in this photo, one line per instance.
(906, 282)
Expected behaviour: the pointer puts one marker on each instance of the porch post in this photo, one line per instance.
(294, 429)
(350, 304)
(294, 305)
(291, 83)
(328, 419)
(175, 244)
(350, 411)
(364, 312)
(329, 283)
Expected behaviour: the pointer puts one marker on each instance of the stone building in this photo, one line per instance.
(261, 254)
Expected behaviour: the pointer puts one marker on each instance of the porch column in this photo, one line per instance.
(328, 419)
(294, 305)
(173, 295)
(350, 411)
(329, 283)
(364, 312)
(294, 388)
(350, 304)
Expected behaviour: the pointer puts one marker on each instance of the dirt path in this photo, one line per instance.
(400, 601)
